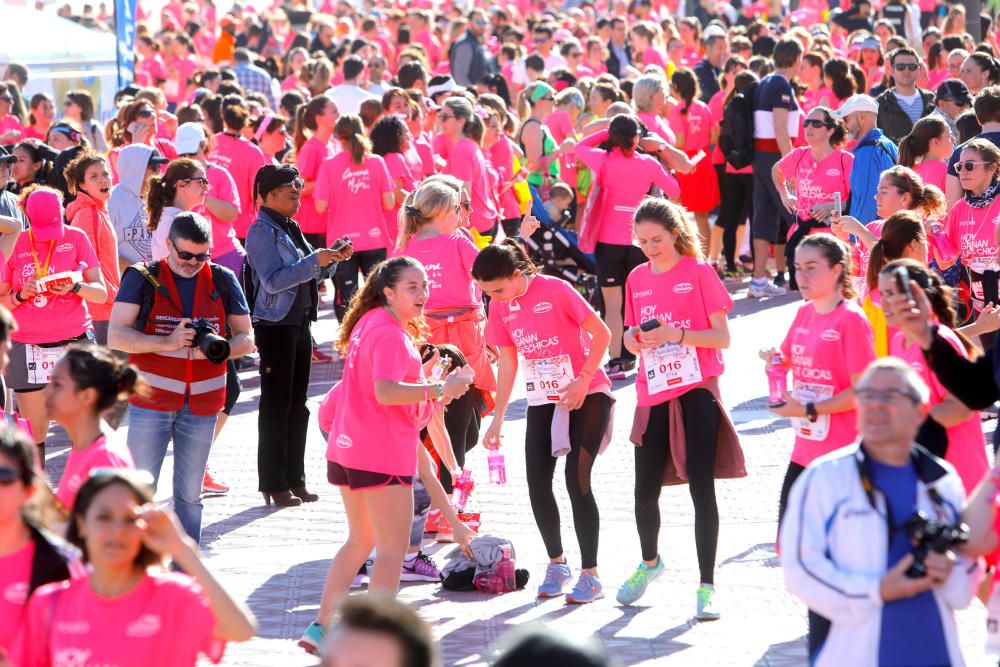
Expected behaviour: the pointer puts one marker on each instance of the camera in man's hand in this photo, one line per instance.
(213, 346)
(930, 535)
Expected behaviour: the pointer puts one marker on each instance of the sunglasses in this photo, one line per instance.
(576, 55)
(8, 476)
(912, 67)
(145, 113)
(467, 205)
(547, 98)
(968, 165)
(541, 40)
(188, 256)
(445, 116)
(199, 179)
(296, 185)
(813, 122)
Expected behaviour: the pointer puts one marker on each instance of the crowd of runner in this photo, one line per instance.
(411, 168)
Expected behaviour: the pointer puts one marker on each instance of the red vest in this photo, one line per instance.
(170, 376)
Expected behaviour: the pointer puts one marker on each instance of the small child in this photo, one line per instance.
(560, 201)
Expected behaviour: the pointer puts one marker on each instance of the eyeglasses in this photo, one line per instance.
(814, 122)
(188, 256)
(906, 66)
(576, 54)
(481, 22)
(968, 165)
(445, 116)
(8, 476)
(198, 179)
(541, 40)
(887, 396)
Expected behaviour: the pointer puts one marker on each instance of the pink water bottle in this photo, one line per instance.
(490, 583)
(463, 489)
(943, 243)
(498, 468)
(505, 570)
(777, 380)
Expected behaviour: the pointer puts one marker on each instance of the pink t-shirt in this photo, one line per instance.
(176, 86)
(966, 442)
(696, 125)
(399, 171)
(15, 575)
(815, 182)
(684, 297)
(658, 125)
(354, 200)
(102, 453)
(466, 163)
(308, 161)
(364, 434)
(221, 186)
(715, 106)
(652, 56)
(825, 351)
(545, 322)
(166, 620)
(426, 154)
(242, 160)
(502, 159)
(8, 123)
(150, 71)
(448, 260)
(972, 232)
(812, 99)
(31, 133)
(934, 172)
(860, 256)
(51, 318)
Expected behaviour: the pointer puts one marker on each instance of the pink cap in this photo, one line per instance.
(45, 212)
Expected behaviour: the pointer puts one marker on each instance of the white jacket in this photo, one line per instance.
(834, 548)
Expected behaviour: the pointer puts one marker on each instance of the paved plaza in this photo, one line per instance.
(276, 560)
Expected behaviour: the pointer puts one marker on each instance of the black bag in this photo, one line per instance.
(246, 282)
(736, 133)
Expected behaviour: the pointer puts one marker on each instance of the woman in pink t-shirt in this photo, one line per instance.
(317, 118)
(679, 293)
(43, 110)
(353, 189)
(241, 159)
(86, 383)
(11, 129)
(139, 125)
(926, 150)
(466, 162)
(562, 340)
(270, 133)
(51, 316)
(951, 430)
(136, 613)
(391, 140)
(827, 348)
(383, 400)
(817, 94)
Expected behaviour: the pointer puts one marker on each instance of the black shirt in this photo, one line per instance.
(306, 304)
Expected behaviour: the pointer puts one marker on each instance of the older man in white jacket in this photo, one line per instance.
(845, 552)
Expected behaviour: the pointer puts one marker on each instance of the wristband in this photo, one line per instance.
(17, 297)
(76, 288)
(811, 413)
(440, 388)
(681, 339)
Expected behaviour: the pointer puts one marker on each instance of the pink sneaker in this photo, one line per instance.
(421, 568)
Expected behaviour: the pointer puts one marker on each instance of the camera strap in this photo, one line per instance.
(157, 285)
(869, 486)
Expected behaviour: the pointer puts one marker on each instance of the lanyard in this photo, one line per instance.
(40, 271)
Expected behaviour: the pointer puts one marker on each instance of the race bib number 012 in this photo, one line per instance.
(670, 366)
(546, 379)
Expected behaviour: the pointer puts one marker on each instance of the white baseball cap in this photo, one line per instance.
(856, 103)
(189, 138)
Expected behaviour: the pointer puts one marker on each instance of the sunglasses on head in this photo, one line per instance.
(188, 256)
(8, 476)
(968, 165)
(296, 185)
(199, 179)
(906, 66)
(145, 113)
(815, 122)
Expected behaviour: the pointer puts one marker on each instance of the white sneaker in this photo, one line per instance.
(765, 289)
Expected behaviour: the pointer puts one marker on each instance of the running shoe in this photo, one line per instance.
(779, 279)
(313, 638)
(765, 289)
(628, 365)
(707, 608)
(635, 586)
(588, 588)
(361, 579)
(615, 370)
(556, 577)
(209, 485)
(421, 568)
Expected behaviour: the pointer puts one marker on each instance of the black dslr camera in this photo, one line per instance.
(930, 535)
(213, 346)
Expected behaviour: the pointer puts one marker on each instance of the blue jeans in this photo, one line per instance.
(149, 431)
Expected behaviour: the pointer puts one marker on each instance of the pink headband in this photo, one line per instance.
(268, 117)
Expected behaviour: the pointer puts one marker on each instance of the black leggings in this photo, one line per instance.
(791, 474)
(461, 420)
(586, 429)
(702, 414)
(736, 207)
(346, 276)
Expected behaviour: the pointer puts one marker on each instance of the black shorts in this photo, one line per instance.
(353, 479)
(615, 262)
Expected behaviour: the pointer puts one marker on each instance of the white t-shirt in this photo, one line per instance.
(349, 97)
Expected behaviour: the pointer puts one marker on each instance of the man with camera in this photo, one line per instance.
(867, 539)
(180, 320)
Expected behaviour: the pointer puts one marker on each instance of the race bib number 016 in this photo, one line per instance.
(546, 379)
(42, 361)
(670, 366)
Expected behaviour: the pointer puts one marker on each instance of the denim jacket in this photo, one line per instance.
(279, 267)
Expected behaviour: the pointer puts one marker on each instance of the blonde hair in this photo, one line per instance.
(422, 206)
(674, 219)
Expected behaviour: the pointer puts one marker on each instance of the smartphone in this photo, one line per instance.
(698, 157)
(134, 127)
(341, 244)
(649, 325)
(838, 208)
(903, 282)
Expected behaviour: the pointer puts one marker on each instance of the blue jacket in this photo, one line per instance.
(872, 155)
(279, 267)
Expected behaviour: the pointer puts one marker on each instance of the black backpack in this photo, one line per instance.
(736, 133)
(246, 282)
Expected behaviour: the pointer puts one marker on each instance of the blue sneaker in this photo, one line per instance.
(313, 638)
(635, 587)
(556, 577)
(708, 609)
(588, 588)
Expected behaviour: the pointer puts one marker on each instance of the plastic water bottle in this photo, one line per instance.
(505, 570)
(777, 380)
(463, 489)
(943, 243)
(498, 468)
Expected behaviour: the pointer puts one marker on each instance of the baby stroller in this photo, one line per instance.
(554, 249)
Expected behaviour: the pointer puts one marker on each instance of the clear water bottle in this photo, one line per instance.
(943, 243)
(777, 380)
(505, 570)
(498, 468)
(462, 490)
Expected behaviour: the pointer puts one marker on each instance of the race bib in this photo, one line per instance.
(546, 378)
(42, 361)
(982, 264)
(670, 366)
(811, 393)
(171, 88)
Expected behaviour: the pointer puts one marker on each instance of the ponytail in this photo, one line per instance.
(900, 230)
(163, 189)
(422, 206)
(917, 143)
(498, 262)
(351, 129)
(386, 274)
(685, 83)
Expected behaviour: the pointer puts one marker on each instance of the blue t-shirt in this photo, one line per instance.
(912, 633)
(774, 92)
(235, 303)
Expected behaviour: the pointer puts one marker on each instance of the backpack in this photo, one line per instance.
(246, 278)
(150, 285)
(736, 133)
